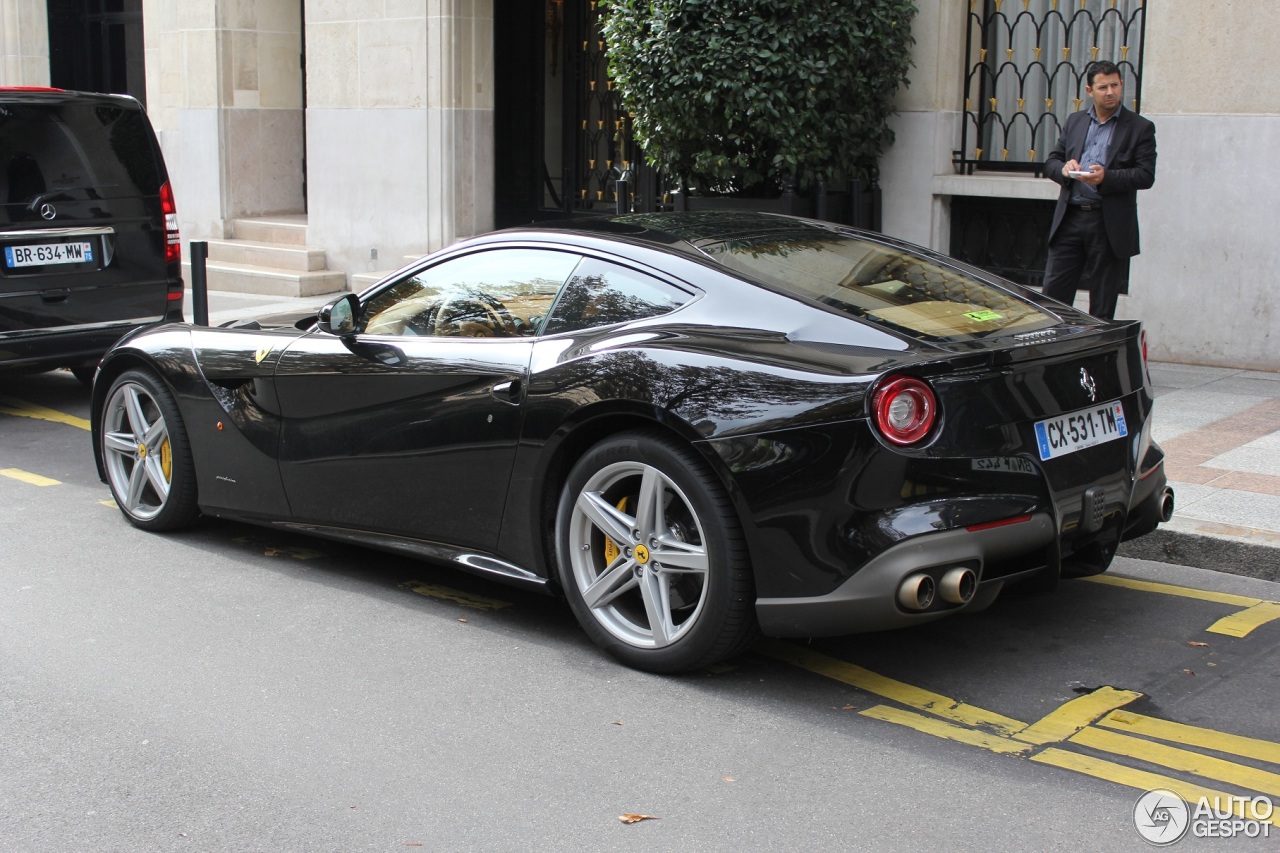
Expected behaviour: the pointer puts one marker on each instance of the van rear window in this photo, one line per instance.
(881, 284)
(75, 151)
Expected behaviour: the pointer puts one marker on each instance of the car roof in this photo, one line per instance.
(44, 95)
(686, 232)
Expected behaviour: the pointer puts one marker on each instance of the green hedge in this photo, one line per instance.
(733, 96)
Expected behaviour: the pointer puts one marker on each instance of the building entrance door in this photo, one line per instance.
(561, 136)
(96, 46)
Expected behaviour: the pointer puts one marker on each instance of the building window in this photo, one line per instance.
(1025, 73)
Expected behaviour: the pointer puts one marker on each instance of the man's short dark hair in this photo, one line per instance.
(1102, 67)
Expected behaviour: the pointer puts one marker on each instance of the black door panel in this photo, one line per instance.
(418, 447)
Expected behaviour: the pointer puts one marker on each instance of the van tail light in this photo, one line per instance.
(905, 409)
(172, 242)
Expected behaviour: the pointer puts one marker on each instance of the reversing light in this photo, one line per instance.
(905, 409)
(172, 242)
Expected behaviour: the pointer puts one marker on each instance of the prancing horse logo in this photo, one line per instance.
(1087, 383)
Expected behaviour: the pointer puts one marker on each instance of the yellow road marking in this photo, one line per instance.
(1205, 766)
(1140, 724)
(1142, 780)
(1241, 623)
(1170, 589)
(28, 477)
(949, 731)
(1257, 611)
(1073, 716)
(897, 691)
(23, 409)
(1086, 721)
(269, 550)
(466, 599)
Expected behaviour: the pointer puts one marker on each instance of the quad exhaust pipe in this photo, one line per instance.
(958, 585)
(917, 592)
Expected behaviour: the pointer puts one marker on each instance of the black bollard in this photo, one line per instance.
(199, 284)
(621, 190)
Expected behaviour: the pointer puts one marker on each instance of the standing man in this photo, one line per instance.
(1103, 157)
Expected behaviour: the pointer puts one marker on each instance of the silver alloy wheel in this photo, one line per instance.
(137, 451)
(643, 576)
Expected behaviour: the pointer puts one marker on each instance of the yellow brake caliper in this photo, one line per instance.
(611, 551)
(166, 461)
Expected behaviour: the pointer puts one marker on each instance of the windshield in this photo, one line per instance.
(882, 284)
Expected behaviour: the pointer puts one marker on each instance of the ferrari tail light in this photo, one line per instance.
(1146, 364)
(905, 409)
(172, 242)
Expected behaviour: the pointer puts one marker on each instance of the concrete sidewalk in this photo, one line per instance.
(1219, 427)
(1220, 430)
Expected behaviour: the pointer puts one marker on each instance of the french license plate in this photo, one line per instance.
(49, 253)
(1075, 431)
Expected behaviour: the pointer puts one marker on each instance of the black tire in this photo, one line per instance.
(702, 600)
(84, 372)
(146, 453)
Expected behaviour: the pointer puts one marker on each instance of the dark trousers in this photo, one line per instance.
(1080, 257)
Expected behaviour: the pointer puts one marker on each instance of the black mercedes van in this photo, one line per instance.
(89, 245)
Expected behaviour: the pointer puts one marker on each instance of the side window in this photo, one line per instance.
(601, 294)
(498, 293)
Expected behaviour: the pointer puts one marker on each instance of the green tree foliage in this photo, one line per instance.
(734, 95)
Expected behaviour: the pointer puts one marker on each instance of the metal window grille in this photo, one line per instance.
(1025, 66)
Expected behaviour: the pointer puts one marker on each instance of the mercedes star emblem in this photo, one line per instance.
(48, 211)
(1087, 383)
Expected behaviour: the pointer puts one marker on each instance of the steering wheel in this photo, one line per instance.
(477, 315)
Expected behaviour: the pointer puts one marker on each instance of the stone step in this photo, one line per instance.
(361, 280)
(275, 255)
(270, 281)
(287, 228)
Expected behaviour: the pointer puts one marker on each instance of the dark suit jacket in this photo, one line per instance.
(1131, 166)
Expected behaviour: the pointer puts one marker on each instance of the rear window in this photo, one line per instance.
(79, 151)
(884, 285)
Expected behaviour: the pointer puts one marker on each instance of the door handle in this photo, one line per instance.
(507, 392)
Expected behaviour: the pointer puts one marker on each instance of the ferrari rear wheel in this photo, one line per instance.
(652, 557)
(146, 453)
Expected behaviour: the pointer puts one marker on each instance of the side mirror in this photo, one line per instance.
(339, 316)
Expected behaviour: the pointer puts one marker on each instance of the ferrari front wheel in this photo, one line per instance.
(652, 557)
(146, 454)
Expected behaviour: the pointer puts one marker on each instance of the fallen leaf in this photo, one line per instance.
(849, 708)
(272, 552)
(636, 818)
(730, 779)
(1197, 644)
(616, 723)
(462, 620)
(1188, 672)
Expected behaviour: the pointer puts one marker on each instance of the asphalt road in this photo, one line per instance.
(236, 688)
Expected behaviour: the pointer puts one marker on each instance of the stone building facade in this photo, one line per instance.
(395, 127)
